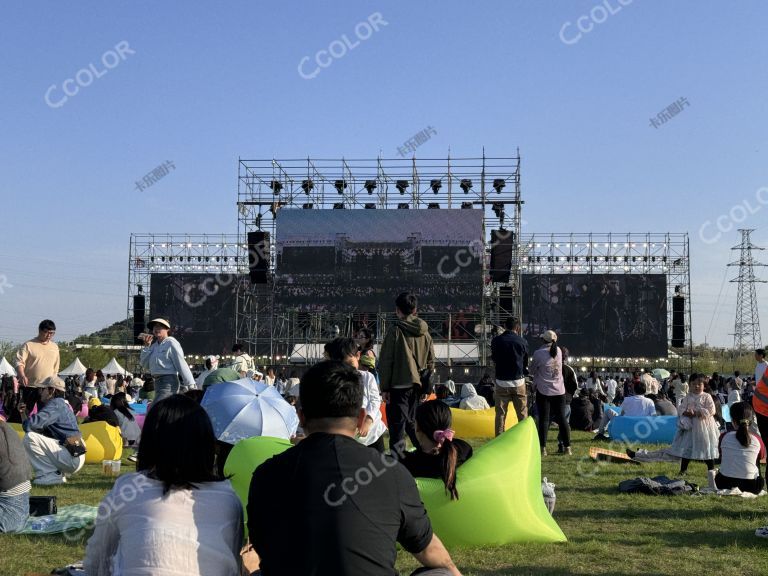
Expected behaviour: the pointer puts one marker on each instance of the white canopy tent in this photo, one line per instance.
(6, 368)
(114, 368)
(77, 368)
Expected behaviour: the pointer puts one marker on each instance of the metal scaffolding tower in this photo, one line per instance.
(746, 334)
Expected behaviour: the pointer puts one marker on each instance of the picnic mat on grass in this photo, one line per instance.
(68, 518)
(610, 456)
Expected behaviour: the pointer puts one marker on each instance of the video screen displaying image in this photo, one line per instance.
(359, 260)
(598, 314)
(200, 307)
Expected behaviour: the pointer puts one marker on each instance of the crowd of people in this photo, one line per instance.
(187, 518)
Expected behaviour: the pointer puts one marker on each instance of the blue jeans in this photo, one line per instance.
(14, 511)
(166, 385)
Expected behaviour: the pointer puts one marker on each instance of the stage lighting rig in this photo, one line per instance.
(307, 186)
(370, 206)
(498, 185)
(370, 186)
(276, 186)
(435, 185)
(466, 205)
(402, 186)
(466, 185)
(338, 206)
(403, 206)
(433, 206)
(340, 185)
(307, 206)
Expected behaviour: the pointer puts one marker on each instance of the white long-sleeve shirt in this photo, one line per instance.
(166, 357)
(372, 406)
(141, 532)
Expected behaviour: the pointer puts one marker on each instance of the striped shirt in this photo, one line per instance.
(17, 490)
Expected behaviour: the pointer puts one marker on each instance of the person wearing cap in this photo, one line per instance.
(53, 442)
(35, 361)
(547, 371)
(164, 359)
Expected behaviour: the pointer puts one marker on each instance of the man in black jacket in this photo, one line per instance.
(509, 351)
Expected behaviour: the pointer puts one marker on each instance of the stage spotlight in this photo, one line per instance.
(257, 221)
(466, 205)
(307, 206)
(139, 288)
(370, 206)
(465, 185)
(370, 186)
(435, 185)
(498, 184)
(338, 206)
(401, 185)
(276, 186)
(340, 185)
(433, 206)
(403, 206)
(307, 186)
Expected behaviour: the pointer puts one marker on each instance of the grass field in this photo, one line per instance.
(607, 533)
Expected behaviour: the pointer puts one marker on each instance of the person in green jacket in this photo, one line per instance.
(407, 349)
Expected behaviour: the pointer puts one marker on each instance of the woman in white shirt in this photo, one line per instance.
(740, 453)
(174, 515)
(372, 432)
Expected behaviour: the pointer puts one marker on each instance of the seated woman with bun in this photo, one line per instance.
(175, 515)
(440, 454)
(740, 453)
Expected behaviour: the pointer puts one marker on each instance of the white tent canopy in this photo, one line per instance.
(6, 368)
(114, 368)
(75, 369)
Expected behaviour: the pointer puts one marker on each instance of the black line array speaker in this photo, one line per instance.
(678, 321)
(502, 248)
(139, 315)
(258, 257)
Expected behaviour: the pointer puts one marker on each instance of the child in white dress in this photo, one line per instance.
(697, 430)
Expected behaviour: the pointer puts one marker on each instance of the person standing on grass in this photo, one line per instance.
(406, 351)
(547, 371)
(243, 363)
(163, 357)
(697, 432)
(36, 360)
(509, 352)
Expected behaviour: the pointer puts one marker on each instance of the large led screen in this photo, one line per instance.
(598, 314)
(200, 308)
(359, 260)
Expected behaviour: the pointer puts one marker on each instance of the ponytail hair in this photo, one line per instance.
(741, 416)
(434, 420)
(553, 349)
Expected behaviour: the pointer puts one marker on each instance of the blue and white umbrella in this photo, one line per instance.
(245, 408)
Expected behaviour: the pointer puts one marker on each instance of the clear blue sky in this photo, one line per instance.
(211, 82)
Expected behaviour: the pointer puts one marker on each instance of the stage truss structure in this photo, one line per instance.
(265, 187)
(617, 253)
(219, 255)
